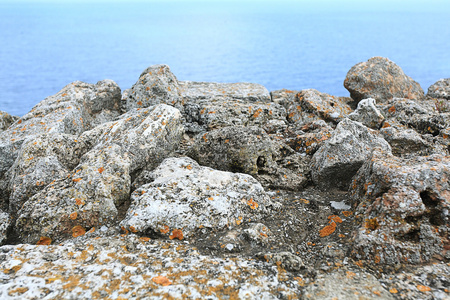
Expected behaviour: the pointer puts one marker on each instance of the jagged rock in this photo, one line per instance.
(346, 284)
(286, 260)
(258, 233)
(6, 120)
(430, 123)
(368, 114)
(252, 151)
(311, 105)
(381, 79)
(440, 89)
(5, 222)
(41, 160)
(76, 108)
(185, 197)
(340, 157)
(405, 141)
(403, 209)
(100, 185)
(156, 85)
(284, 97)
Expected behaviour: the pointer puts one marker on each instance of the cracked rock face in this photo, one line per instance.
(440, 89)
(185, 196)
(381, 79)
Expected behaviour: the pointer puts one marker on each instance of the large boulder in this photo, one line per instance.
(402, 208)
(340, 156)
(405, 141)
(381, 79)
(76, 108)
(440, 89)
(95, 191)
(184, 197)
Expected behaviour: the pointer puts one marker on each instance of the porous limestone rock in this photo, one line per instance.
(185, 196)
(76, 108)
(284, 97)
(340, 157)
(6, 120)
(311, 105)
(403, 209)
(5, 222)
(96, 189)
(156, 85)
(368, 114)
(440, 89)
(381, 79)
(405, 141)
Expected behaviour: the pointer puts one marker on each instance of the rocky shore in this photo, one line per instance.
(192, 190)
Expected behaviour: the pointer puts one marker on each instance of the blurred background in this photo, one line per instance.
(300, 44)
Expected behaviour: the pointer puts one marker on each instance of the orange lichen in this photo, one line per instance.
(211, 198)
(252, 204)
(161, 280)
(350, 274)
(101, 169)
(189, 167)
(79, 202)
(393, 291)
(347, 213)
(327, 230)
(377, 259)
(335, 219)
(372, 224)
(147, 88)
(423, 288)
(44, 241)
(139, 103)
(78, 231)
(144, 239)
(391, 109)
(204, 137)
(91, 230)
(76, 179)
(176, 234)
(73, 215)
(133, 229)
(19, 290)
(165, 229)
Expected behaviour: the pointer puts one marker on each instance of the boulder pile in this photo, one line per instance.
(179, 189)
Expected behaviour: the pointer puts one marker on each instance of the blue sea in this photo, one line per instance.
(279, 44)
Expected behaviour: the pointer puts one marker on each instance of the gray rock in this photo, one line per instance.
(6, 120)
(258, 233)
(98, 188)
(184, 197)
(381, 79)
(285, 260)
(368, 114)
(5, 222)
(76, 108)
(340, 157)
(440, 89)
(405, 141)
(156, 85)
(284, 97)
(403, 208)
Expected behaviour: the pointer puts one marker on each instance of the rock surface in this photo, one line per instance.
(381, 79)
(440, 89)
(286, 195)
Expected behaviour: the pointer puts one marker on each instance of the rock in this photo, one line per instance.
(403, 207)
(40, 161)
(5, 222)
(284, 97)
(185, 197)
(6, 120)
(381, 79)
(340, 157)
(405, 141)
(286, 260)
(250, 150)
(440, 89)
(156, 85)
(258, 233)
(98, 188)
(76, 108)
(346, 284)
(308, 138)
(368, 114)
(311, 105)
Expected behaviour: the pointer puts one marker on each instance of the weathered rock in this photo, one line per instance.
(405, 141)
(286, 260)
(97, 188)
(403, 209)
(340, 157)
(41, 160)
(76, 108)
(308, 138)
(311, 105)
(156, 85)
(258, 233)
(184, 197)
(6, 120)
(5, 222)
(284, 97)
(440, 89)
(381, 79)
(368, 114)
(350, 284)
(250, 150)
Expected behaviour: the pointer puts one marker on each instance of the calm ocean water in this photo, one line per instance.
(45, 46)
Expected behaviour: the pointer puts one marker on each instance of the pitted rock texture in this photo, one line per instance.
(405, 141)
(440, 89)
(368, 114)
(6, 120)
(340, 156)
(156, 85)
(5, 222)
(403, 209)
(381, 79)
(94, 191)
(184, 197)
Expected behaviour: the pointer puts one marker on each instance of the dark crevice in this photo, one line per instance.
(431, 202)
